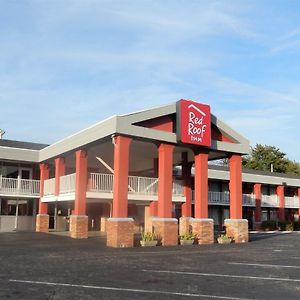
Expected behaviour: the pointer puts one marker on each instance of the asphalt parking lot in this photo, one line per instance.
(47, 266)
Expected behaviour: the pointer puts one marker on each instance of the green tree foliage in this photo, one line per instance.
(262, 157)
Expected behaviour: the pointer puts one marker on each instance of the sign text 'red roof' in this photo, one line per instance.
(193, 125)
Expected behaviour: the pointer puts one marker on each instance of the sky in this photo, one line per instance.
(65, 65)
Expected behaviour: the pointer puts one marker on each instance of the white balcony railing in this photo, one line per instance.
(269, 201)
(136, 185)
(218, 198)
(142, 185)
(248, 200)
(67, 183)
(49, 187)
(15, 186)
(178, 188)
(100, 182)
(291, 202)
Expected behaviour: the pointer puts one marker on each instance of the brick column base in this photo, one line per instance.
(185, 225)
(79, 227)
(42, 223)
(120, 232)
(203, 229)
(166, 230)
(103, 224)
(257, 226)
(237, 229)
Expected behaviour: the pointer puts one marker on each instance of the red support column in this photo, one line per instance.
(121, 170)
(153, 208)
(44, 175)
(120, 227)
(42, 219)
(202, 226)
(81, 183)
(60, 170)
(186, 208)
(165, 227)
(201, 185)
(235, 187)
(280, 195)
(79, 220)
(165, 180)
(236, 227)
(257, 195)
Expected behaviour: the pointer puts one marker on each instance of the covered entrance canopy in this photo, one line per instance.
(129, 149)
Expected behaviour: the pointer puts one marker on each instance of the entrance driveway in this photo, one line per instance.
(48, 266)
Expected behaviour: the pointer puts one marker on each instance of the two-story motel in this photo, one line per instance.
(148, 169)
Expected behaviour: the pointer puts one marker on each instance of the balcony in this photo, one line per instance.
(223, 198)
(269, 201)
(218, 198)
(248, 200)
(100, 185)
(19, 187)
(291, 202)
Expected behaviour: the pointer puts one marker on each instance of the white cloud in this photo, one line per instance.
(68, 64)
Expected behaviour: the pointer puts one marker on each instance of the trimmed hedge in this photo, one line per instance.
(296, 225)
(286, 226)
(268, 225)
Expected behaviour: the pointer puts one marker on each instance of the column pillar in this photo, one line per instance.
(280, 195)
(60, 170)
(202, 226)
(165, 227)
(150, 213)
(120, 231)
(236, 227)
(257, 195)
(79, 219)
(42, 218)
(186, 208)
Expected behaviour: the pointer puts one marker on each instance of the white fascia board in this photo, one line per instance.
(150, 113)
(218, 174)
(80, 139)
(230, 147)
(18, 154)
(255, 178)
(273, 180)
(125, 127)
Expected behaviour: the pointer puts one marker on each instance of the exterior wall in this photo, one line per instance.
(24, 223)
(11, 169)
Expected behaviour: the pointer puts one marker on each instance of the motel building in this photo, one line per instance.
(149, 170)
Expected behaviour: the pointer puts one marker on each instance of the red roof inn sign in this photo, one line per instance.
(193, 121)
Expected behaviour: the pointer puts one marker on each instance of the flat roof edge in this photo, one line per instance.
(80, 139)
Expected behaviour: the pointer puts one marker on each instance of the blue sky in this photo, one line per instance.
(65, 65)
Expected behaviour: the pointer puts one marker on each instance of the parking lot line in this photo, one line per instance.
(263, 265)
(125, 289)
(224, 275)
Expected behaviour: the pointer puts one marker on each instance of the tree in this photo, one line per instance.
(267, 158)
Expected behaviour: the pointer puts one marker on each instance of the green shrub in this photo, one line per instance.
(286, 226)
(224, 237)
(187, 237)
(296, 225)
(148, 236)
(268, 225)
(289, 226)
